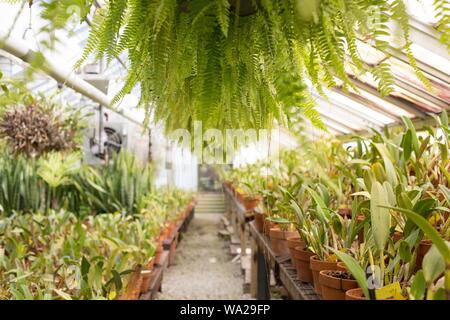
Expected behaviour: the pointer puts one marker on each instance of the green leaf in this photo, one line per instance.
(414, 140)
(407, 146)
(440, 294)
(433, 265)
(444, 119)
(380, 217)
(85, 265)
(321, 208)
(444, 172)
(424, 207)
(418, 286)
(355, 269)
(391, 174)
(404, 251)
(429, 230)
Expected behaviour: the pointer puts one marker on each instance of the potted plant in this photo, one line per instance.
(335, 283)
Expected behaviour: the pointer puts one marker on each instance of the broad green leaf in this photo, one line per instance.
(85, 265)
(391, 174)
(429, 230)
(355, 269)
(407, 146)
(418, 286)
(404, 251)
(379, 172)
(444, 172)
(321, 211)
(439, 294)
(390, 193)
(414, 140)
(433, 265)
(380, 217)
(444, 119)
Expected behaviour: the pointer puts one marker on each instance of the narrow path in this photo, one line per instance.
(203, 268)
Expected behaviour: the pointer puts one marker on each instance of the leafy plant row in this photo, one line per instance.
(378, 204)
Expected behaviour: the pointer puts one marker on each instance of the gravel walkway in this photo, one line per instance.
(203, 268)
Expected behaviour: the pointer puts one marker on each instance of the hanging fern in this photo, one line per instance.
(383, 76)
(219, 61)
(442, 9)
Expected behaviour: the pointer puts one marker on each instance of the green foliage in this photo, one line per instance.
(205, 60)
(58, 255)
(120, 186)
(60, 180)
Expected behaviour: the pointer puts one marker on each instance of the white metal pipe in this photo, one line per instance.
(21, 50)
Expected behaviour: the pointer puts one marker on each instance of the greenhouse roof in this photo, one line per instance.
(343, 112)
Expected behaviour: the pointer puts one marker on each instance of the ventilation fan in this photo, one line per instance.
(112, 142)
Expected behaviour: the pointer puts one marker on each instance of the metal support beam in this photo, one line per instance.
(20, 49)
(401, 103)
(419, 124)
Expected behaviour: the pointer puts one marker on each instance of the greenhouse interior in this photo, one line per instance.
(224, 150)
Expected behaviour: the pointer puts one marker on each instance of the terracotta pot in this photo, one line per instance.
(341, 266)
(292, 242)
(359, 220)
(150, 264)
(345, 212)
(301, 257)
(334, 287)
(355, 294)
(158, 253)
(240, 197)
(278, 240)
(397, 236)
(259, 222)
(424, 246)
(250, 203)
(317, 266)
(267, 226)
(146, 279)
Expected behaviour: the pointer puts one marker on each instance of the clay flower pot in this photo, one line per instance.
(359, 220)
(240, 197)
(292, 242)
(345, 212)
(424, 246)
(158, 253)
(341, 266)
(151, 263)
(267, 226)
(278, 240)
(397, 236)
(317, 266)
(146, 279)
(334, 284)
(250, 203)
(259, 222)
(355, 294)
(301, 257)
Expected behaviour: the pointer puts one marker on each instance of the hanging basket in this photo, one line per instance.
(246, 7)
